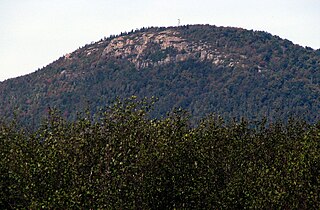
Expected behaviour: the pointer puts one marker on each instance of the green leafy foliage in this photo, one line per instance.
(119, 158)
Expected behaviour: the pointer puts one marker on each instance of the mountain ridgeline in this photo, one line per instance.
(204, 69)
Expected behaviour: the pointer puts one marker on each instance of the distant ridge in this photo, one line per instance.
(229, 71)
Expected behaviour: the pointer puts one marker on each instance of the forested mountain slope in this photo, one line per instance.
(230, 71)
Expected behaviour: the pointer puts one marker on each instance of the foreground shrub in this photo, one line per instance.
(121, 159)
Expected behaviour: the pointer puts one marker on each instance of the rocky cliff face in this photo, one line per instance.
(134, 48)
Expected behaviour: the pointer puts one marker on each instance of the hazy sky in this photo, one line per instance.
(33, 33)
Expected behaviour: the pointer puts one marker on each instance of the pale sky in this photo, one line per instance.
(34, 33)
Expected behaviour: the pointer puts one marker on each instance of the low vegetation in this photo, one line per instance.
(122, 159)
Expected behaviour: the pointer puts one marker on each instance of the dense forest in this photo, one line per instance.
(188, 117)
(120, 158)
(204, 69)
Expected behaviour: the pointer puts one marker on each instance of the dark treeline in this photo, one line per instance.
(122, 159)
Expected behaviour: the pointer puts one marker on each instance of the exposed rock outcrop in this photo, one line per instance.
(133, 48)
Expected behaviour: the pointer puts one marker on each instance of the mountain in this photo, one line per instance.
(229, 71)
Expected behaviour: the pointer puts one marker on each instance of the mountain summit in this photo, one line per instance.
(229, 71)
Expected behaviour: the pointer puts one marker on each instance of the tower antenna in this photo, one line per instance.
(178, 22)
